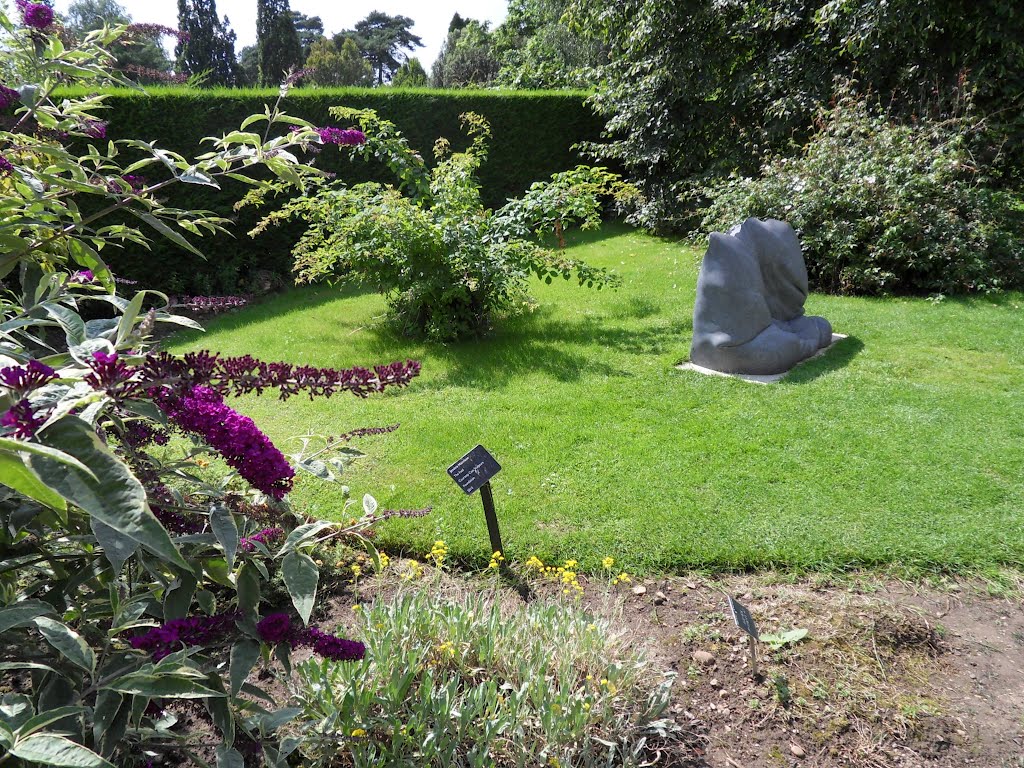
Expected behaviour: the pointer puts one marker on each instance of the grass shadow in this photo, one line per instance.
(836, 358)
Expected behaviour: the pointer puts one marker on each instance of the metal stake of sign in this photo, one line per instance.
(492, 520)
(741, 616)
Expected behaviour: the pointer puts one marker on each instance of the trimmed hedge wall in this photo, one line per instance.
(533, 133)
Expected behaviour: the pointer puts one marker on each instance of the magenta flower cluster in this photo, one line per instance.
(21, 420)
(82, 276)
(364, 432)
(135, 31)
(35, 15)
(96, 129)
(213, 304)
(6, 169)
(135, 184)
(25, 378)
(183, 633)
(111, 373)
(331, 135)
(140, 433)
(245, 374)
(176, 522)
(236, 437)
(8, 96)
(267, 535)
(277, 628)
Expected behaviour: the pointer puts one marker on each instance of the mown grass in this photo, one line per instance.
(903, 446)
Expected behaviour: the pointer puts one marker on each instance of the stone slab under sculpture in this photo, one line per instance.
(749, 314)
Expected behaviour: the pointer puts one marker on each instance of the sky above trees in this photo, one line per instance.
(431, 18)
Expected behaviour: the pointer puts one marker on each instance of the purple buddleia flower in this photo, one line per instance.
(331, 135)
(21, 420)
(275, 628)
(202, 412)
(96, 129)
(139, 433)
(331, 647)
(176, 522)
(245, 374)
(111, 374)
(82, 276)
(213, 304)
(8, 96)
(248, 543)
(25, 378)
(135, 184)
(36, 15)
(183, 633)
(6, 169)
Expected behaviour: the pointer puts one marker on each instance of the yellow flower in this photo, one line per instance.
(497, 556)
(535, 563)
(622, 577)
(357, 607)
(570, 564)
(591, 627)
(608, 563)
(357, 571)
(358, 733)
(385, 561)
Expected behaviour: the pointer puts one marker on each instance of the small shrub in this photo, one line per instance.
(884, 207)
(446, 263)
(458, 682)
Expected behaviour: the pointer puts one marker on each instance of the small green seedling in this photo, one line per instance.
(792, 637)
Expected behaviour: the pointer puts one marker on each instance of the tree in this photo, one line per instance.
(279, 48)
(309, 29)
(249, 66)
(139, 53)
(536, 48)
(207, 45)
(467, 56)
(694, 88)
(410, 75)
(381, 39)
(330, 66)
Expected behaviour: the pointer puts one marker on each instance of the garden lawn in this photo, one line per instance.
(903, 445)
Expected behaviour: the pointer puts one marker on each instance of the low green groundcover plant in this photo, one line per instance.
(447, 264)
(458, 681)
(130, 584)
(883, 206)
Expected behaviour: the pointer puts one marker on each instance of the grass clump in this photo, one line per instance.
(463, 682)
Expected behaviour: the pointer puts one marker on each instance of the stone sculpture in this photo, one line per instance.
(749, 314)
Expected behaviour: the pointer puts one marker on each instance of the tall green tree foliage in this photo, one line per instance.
(279, 47)
(699, 87)
(536, 48)
(410, 75)
(382, 39)
(142, 57)
(331, 65)
(308, 28)
(467, 56)
(207, 45)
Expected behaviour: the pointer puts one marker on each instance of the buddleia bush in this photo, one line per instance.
(884, 206)
(131, 584)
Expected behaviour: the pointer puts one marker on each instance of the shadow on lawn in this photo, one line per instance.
(564, 350)
(838, 357)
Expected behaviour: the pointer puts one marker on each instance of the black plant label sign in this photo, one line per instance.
(474, 469)
(743, 618)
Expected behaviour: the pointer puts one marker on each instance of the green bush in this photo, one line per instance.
(447, 264)
(533, 137)
(884, 207)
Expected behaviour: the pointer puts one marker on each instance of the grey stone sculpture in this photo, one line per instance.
(749, 314)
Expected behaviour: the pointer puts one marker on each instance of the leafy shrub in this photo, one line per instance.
(534, 136)
(884, 207)
(130, 591)
(447, 264)
(460, 682)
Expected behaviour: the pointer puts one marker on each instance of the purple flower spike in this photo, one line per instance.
(8, 96)
(275, 628)
(334, 648)
(248, 543)
(177, 633)
(96, 129)
(82, 276)
(21, 420)
(36, 15)
(25, 378)
(331, 135)
(236, 437)
(6, 169)
(110, 373)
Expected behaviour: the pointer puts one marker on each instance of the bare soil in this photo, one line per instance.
(890, 674)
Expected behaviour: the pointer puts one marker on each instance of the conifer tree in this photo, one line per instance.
(277, 40)
(207, 46)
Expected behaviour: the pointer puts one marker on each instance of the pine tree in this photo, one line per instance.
(208, 45)
(279, 46)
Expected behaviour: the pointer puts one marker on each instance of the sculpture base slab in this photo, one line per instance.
(754, 378)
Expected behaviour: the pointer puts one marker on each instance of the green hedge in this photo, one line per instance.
(533, 135)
